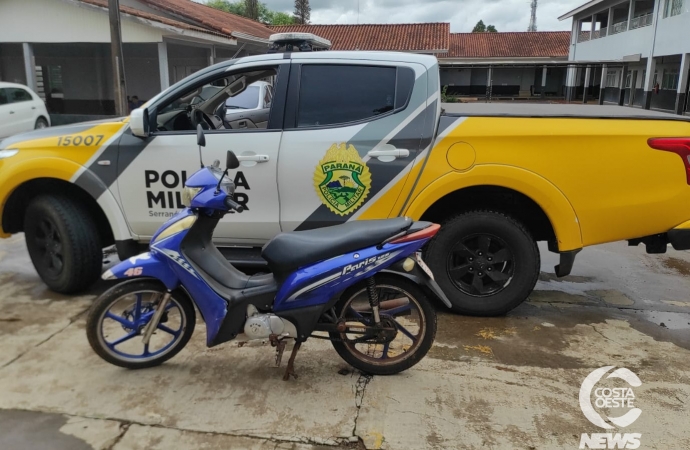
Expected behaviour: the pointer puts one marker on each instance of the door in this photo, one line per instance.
(152, 172)
(352, 132)
(20, 113)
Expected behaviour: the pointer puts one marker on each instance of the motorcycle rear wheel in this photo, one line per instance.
(404, 306)
(117, 319)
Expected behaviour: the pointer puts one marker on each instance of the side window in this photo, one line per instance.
(225, 102)
(3, 97)
(333, 94)
(17, 95)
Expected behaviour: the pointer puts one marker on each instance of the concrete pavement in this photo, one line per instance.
(508, 382)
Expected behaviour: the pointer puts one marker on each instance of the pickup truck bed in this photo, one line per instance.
(531, 109)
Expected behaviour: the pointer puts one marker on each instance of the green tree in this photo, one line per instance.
(251, 7)
(244, 8)
(302, 12)
(481, 28)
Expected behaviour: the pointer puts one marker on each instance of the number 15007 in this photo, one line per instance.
(88, 140)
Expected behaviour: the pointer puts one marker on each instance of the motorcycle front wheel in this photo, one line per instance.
(117, 320)
(408, 322)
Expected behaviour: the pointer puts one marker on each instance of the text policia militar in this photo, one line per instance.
(164, 191)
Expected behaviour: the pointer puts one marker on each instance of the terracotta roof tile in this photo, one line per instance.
(396, 37)
(211, 18)
(153, 17)
(516, 45)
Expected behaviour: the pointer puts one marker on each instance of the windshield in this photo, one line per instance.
(247, 99)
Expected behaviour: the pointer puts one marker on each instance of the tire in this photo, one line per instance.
(41, 123)
(508, 267)
(97, 316)
(63, 243)
(406, 358)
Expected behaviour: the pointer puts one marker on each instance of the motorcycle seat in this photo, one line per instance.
(290, 251)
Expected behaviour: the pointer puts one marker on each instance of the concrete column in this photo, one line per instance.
(649, 83)
(591, 31)
(602, 85)
(571, 83)
(608, 25)
(588, 74)
(163, 65)
(630, 13)
(682, 83)
(621, 85)
(29, 65)
(489, 83)
(212, 56)
(543, 82)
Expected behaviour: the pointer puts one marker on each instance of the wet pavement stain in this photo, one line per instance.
(677, 265)
(612, 297)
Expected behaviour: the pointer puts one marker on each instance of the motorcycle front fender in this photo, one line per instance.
(145, 265)
(419, 276)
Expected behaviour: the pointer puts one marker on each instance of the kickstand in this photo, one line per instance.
(290, 370)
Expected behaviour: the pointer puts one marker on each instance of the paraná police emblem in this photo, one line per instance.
(342, 180)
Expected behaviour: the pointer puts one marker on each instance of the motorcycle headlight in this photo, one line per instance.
(188, 193)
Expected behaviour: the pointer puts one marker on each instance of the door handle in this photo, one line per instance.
(389, 154)
(33, 107)
(11, 112)
(254, 158)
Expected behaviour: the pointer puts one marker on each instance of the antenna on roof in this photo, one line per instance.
(304, 42)
(533, 18)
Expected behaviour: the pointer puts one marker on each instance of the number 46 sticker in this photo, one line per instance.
(134, 271)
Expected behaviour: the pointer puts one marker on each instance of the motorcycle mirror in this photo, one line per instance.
(200, 138)
(231, 161)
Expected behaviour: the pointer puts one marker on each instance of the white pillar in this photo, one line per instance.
(591, 32)
(489, 76)
(212, 56)
(649, 82)
(163, 65)
(29, 65)
(630, 13)
(585, 92)
(543, 81)
(608, 25)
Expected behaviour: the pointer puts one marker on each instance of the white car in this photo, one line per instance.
(20, 110)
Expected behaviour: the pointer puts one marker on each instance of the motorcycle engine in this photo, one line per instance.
(261, 326)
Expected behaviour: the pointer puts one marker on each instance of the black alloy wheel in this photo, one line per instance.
(49, 245)
(480, 265)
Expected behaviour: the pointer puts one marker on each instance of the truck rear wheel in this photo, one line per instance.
(486, 262)
(63, 243)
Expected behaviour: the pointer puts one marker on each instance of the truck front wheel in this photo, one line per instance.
(63, 243)
(487, 263)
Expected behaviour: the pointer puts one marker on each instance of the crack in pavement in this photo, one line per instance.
(124, 426)
(360, 387)
(71, 321)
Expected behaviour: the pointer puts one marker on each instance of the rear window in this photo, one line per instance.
(247, 99)
(333, 94)
(16, 95)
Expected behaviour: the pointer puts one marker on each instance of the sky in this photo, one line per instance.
(506, 15)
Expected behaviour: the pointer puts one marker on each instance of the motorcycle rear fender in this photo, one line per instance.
(420, 277)
(145, 265)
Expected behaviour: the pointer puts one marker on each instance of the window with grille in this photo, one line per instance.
(669, 79)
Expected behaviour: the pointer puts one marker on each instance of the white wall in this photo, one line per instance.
(59, 21)
(615, 47)
(673, 35)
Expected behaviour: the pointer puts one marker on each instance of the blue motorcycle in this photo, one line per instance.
(362, 285)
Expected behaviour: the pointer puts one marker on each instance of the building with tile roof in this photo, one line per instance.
(65, 54)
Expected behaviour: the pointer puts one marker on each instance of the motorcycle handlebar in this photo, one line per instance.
(231, 204)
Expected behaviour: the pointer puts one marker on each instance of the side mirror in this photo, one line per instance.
(200, 138)
(139, 122)
(231, 161)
